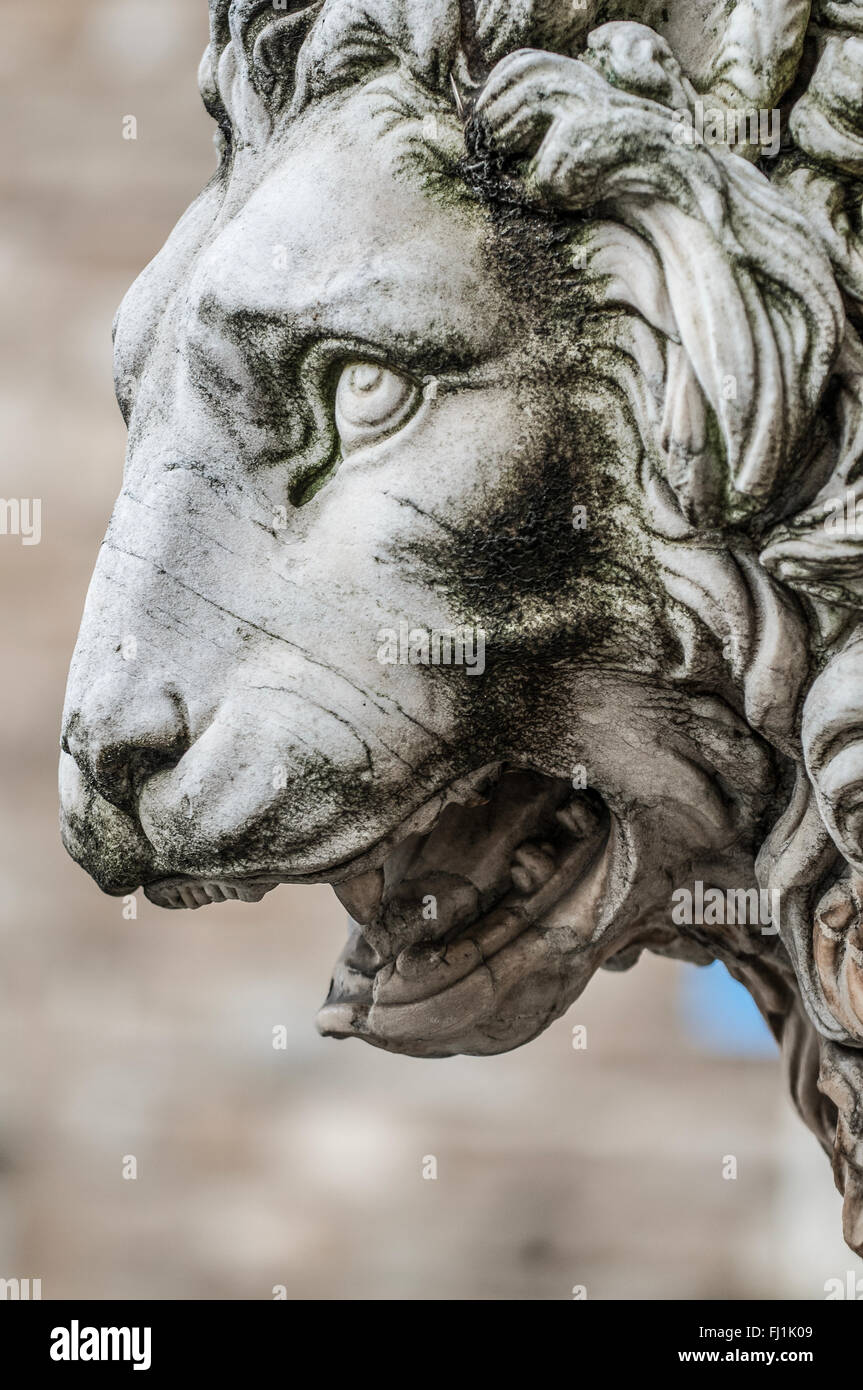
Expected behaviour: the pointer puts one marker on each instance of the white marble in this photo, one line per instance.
(487, 544)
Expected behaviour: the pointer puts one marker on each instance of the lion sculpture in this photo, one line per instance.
(487, 542)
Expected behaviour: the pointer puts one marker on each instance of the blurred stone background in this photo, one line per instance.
(153, 1037)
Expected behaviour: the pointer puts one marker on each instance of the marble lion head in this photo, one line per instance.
(487, 539)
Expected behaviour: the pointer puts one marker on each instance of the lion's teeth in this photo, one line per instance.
(192, 895)
(577, 817)
(418, 961)
(532, 867)
(362, 895)
(250, 893)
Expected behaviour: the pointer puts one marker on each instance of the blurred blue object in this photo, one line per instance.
(720, 1016)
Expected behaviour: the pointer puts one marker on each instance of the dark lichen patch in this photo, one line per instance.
(530, 245)
(551, 569)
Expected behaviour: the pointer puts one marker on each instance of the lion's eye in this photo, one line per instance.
(372, 402)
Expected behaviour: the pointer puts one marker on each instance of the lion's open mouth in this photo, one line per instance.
(449, 904)
(446, 903)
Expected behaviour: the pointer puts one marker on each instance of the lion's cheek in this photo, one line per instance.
(280, 783)
(249, 793)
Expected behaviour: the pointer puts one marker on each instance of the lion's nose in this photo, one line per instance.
(120, 738)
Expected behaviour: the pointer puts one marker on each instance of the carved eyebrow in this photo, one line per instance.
(399, 294)
(270, 336)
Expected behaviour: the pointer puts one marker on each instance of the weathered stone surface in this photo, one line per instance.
(488, 542)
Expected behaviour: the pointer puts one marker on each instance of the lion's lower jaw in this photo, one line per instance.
(516, 889)
(496, 1007)
(491, 991)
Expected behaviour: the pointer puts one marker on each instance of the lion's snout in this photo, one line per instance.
(122, 732)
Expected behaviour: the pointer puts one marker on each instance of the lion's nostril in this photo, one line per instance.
(142, 763)
(121, 742)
